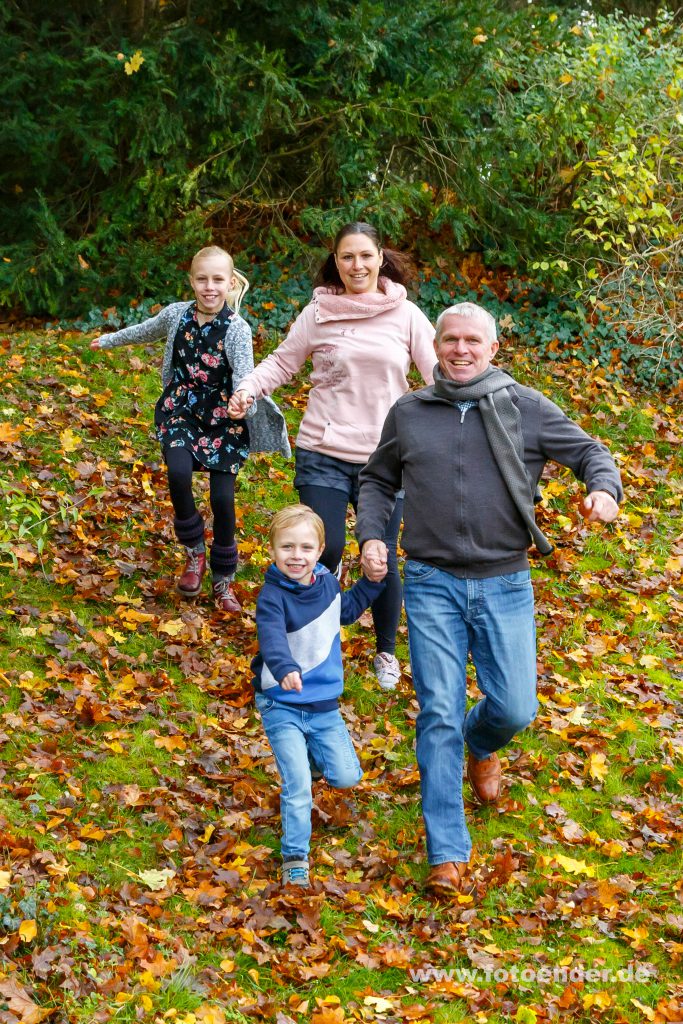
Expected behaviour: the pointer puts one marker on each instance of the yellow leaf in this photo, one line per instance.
(577, 716)
(9, 433)
(156, 880)
(574, 867)
(208, 832)
(647, 1010)
(380, 1005)
(134, 64)
(576, 30)
(227, 966)
(119, 637)
(206, 1014)
(650, 661)
(28, 930)
(170, 743)
(148, 981)
(597, 769)
(479, 39)
(146, 1003)
(146, 486)
(173, 627)
(371, 926)
(612, 849)
(5, 879)
(566, 79)
(69, 441)
(600, 999)
(637, 934)
(83, 265)
(525, 1015)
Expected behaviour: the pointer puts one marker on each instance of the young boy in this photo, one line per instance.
(298, 675)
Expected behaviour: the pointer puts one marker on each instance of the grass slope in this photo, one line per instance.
(138, 798)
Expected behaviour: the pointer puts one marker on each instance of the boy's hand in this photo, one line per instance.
(292, 681)
(239, 403)
(95, 343)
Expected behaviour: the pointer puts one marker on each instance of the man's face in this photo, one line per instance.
(464, 349)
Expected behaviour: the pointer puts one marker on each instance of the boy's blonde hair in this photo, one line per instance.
(236, 294)
(292, 515)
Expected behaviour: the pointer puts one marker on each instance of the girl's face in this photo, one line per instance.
(358, 261)
(212, 278)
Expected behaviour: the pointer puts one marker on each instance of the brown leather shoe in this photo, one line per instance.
(190, 583)
(225, 597)
(446, 879)
(485, 778)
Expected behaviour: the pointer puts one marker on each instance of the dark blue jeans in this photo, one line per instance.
(329, 486)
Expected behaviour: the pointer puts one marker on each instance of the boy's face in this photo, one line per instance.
(211, 279)
(295, 550)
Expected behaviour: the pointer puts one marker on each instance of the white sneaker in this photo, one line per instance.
(387, 670)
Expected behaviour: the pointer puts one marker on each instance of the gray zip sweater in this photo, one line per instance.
(458, 514)
(267, 427)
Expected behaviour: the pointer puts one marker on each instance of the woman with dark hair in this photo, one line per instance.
(361, 334)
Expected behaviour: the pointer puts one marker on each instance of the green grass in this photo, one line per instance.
(91, 747)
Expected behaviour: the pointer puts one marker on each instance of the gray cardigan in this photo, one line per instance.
(458, 514)
(267, 427)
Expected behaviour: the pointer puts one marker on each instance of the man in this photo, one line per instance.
(469, 451)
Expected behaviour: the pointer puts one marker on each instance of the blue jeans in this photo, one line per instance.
(493, 619)
(294, 735)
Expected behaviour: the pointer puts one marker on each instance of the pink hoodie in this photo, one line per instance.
(361, 347)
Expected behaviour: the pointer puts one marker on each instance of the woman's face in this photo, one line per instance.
(358, 261)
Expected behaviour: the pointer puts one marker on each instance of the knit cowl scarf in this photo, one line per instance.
(503, 425)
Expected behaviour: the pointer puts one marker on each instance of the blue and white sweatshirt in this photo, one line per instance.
(298, 631)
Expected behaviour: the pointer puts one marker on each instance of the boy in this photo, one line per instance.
(298, 675)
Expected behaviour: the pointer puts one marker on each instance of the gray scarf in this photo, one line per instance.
(503, 426)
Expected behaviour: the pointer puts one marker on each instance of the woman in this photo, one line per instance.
(362, 334)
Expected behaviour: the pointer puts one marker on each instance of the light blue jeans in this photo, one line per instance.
(493, 619)
(295, 736)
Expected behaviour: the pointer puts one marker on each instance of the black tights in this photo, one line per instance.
(331, 505)
(180, 464)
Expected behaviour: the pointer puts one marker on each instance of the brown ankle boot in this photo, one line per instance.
(190, 583)
(225, 597)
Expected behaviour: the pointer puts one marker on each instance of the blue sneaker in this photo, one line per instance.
(295, 872)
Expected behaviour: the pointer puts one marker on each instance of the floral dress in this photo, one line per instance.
(192, 412)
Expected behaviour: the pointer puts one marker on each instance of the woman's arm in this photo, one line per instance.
(287, 359)
(422, 344)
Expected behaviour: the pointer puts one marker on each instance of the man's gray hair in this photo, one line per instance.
(467, 309)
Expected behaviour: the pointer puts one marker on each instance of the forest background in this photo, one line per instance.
(529, 157)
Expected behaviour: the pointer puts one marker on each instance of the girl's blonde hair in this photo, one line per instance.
(236, 294)
(292, 515)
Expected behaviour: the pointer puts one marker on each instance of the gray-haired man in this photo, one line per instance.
(469, 451)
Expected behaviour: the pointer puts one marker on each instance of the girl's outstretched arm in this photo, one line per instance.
(140, 334)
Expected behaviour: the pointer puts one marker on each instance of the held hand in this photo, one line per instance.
(95, 343)
(373, 560)
(239, 403)
(292, 681)
(599, 505)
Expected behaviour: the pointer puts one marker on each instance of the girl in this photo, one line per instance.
(208, 352)
(362, 334)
